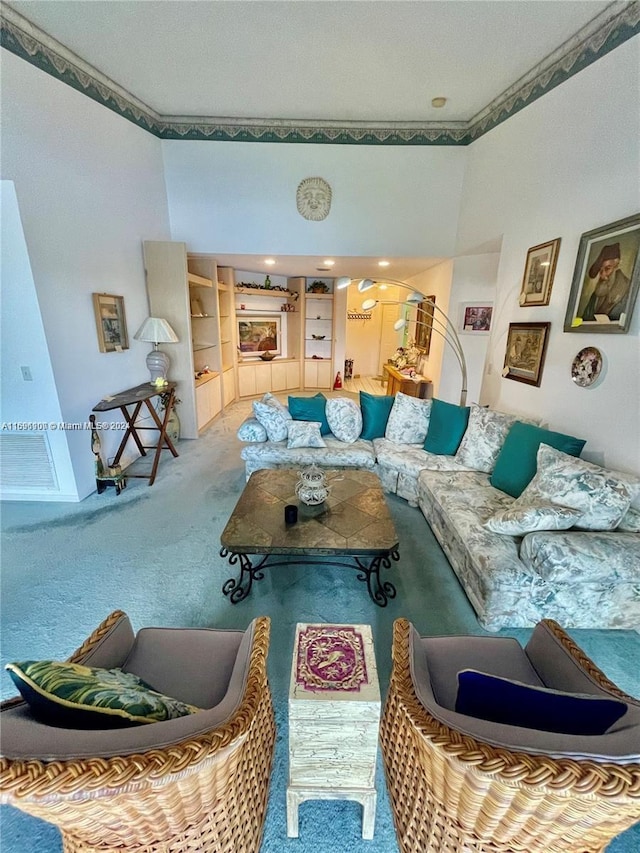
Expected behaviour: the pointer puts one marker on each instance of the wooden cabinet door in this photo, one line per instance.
(293, 374)
(279, 376)
(310, 374)
(263, 378)
(203, 404)
(228, 387)
(325, 379)
(247, 380)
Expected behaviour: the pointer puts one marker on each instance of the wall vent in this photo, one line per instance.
(26, 462)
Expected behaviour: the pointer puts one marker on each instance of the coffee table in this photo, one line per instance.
(334, 719)
(354, 525)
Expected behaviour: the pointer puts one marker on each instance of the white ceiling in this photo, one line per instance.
(331, 60)
(360, 60)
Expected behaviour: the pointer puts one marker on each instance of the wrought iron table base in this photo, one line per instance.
(380, 591)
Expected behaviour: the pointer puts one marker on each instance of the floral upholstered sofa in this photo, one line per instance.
(530, 530)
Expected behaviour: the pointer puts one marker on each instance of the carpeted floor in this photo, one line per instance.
(153, 552)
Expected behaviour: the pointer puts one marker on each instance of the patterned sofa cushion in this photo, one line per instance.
(603, 496)
(485, 435)
(336, 454)
(408, 420)
(344, 418)
(251, 430)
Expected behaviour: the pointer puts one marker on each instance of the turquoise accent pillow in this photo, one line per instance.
(516, 464)
(375, 414)
(71, 695)
(447, 426)
(512, 703)
(310, 409)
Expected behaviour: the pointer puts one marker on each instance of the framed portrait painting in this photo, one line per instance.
(258, 334)
(476, 318)
(526, 349)
(539, 271)
(111, 324)
(606, 278)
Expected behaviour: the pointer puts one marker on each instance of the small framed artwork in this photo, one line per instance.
(539, 271)
(476, 318)
(111, 324)
(258, 334)
(605, 279)
(424, 324)
(526, 349)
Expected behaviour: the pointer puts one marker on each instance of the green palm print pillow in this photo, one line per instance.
(71, 695)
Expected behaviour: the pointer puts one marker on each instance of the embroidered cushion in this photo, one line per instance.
(603, 496)
(344, 418)
(408, 420)
(630, 521)
(518, 520)
(483, 440)
(516, 462)
(447, 426)
(273, 416)
(305, 434)
(513, 703)
(252, 430)
(375, 414)
(71, 695)
(310, 409)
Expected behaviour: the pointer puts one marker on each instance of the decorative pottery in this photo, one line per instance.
(173, 426)
(312, 487)
(267, 355)
(586, 367)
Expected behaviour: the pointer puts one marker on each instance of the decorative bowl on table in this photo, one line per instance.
(267, 355)
(318, 337)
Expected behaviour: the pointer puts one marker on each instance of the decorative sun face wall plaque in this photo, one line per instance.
(313, 198)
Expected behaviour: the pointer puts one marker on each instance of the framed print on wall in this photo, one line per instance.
(258, 334)
(424, 324)
(111, 324)
(476, 318)
(539, 271)
(526, 349)
(605, 279)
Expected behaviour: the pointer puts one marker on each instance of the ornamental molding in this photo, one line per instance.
(616, 24)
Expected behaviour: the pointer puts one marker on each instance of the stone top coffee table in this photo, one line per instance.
(354, 524)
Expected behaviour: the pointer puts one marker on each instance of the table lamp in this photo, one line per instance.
(157, 331)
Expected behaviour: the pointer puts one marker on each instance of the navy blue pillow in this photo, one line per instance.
(375, 414)
(499, 700)
(310, 409)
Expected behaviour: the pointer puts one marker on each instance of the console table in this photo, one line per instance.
(130, 402)
(397, 381)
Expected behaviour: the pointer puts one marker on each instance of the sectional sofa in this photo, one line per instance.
(530, 530)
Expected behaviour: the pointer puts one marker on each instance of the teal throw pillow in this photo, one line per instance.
(512, 703)
(375, 414)
(447, 426)
(70, 695)
(516, 464)
(310, 409)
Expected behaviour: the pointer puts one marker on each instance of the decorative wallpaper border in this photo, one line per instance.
(617, 23)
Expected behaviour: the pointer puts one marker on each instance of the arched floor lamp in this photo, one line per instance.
(443, 327)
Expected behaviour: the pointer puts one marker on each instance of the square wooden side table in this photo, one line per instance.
(334, 719)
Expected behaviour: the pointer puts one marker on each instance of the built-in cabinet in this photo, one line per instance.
(205, 305)
(186, 291)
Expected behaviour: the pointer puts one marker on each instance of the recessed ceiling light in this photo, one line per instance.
(382, 287)
(328, 262)
(270, 261)
(383, 263)
(438, 102)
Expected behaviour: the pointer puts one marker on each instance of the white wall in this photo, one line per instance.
(564, 165)
(240, 197)
(436, 281)
(90, 188)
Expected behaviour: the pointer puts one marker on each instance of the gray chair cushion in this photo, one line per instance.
(23, 737)
(620, 744)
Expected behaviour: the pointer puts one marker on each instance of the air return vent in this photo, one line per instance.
(26, 462)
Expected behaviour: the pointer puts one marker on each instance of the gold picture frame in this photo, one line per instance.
(539, 271)
(424, 324)
(111, 323)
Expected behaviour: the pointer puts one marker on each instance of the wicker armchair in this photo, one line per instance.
(206, 791)
(452, 792)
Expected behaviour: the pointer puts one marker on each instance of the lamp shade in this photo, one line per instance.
(343, 282)
(157, 331)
